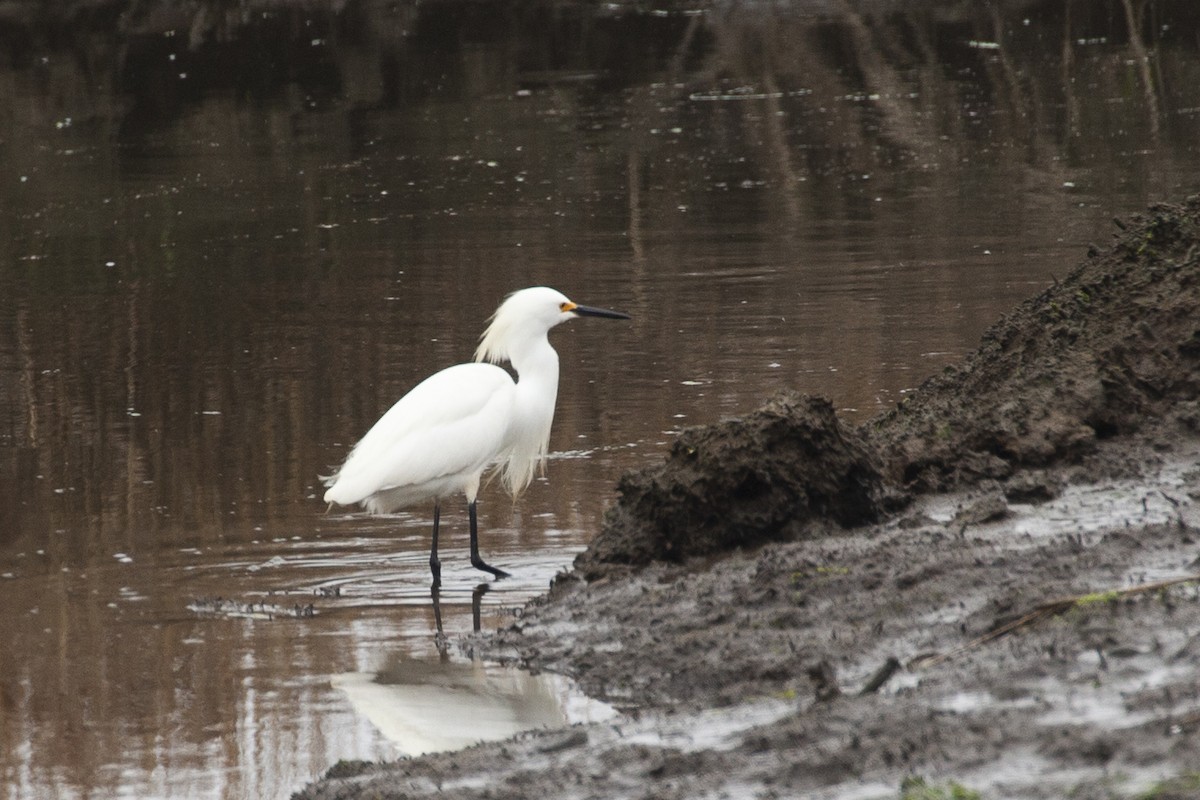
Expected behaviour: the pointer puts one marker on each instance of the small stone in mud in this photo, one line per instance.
(557, 742)
(917, 520)
(1033, 486)
(350, 768)
(989, 508)
(824, 679)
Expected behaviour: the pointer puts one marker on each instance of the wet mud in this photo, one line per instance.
(989, 587)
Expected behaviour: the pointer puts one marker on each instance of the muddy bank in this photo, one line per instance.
(757, 676)
(969, 589)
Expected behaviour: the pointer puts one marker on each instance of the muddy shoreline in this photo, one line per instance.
(975, 590)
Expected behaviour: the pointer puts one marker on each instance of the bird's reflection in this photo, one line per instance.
(439, 637)
(431, 706)
(476, 599)
(444, 704)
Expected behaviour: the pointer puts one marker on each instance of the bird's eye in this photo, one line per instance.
(565, 306)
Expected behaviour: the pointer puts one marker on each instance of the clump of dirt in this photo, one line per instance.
(1094, 356)
(786, 468)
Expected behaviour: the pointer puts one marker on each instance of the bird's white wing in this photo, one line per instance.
(452, 422)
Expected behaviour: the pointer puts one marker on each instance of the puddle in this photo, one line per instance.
(711, 729)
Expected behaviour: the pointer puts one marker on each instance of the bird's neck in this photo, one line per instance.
(528, 434)
(536, 364)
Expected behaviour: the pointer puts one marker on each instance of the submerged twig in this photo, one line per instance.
(1051, 608)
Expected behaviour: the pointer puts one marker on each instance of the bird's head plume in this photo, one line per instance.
(524, 315)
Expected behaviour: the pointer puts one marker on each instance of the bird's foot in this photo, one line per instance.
(480, 564)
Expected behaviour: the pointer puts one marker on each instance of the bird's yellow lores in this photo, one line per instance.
(452, 427)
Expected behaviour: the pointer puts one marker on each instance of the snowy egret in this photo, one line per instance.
(452, 427)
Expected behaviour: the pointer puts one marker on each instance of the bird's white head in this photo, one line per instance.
(526, 316)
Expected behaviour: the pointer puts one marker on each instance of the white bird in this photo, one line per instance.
(442, 436)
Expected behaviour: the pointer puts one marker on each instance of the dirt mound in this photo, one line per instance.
(786, 466)
(1096, 355)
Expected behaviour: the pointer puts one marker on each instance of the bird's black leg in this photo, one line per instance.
(476, 561)
(439, 639)
(435, 566)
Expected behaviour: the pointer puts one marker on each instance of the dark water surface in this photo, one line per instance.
(231, 239)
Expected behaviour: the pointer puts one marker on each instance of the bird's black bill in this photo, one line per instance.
(588, 311)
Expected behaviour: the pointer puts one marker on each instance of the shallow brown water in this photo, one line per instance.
(230, 244)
